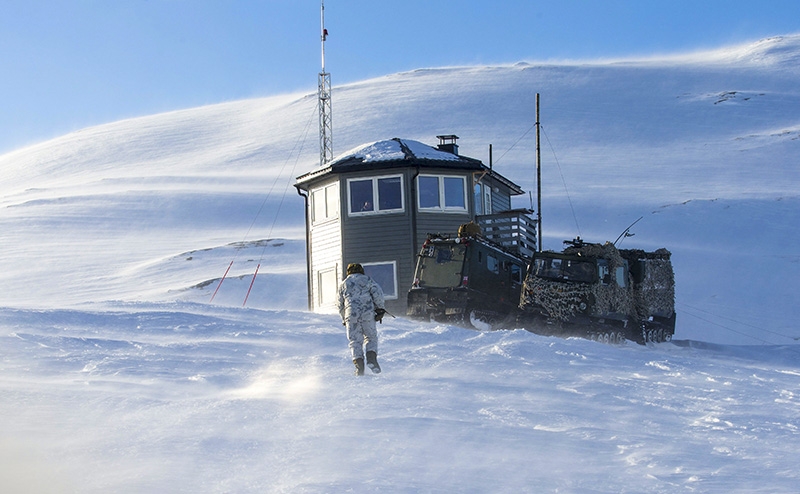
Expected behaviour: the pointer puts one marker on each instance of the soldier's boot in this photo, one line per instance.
(372, 362)
(359, 363)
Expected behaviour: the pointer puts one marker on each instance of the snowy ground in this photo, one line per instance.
(118, 374)
(185, 397)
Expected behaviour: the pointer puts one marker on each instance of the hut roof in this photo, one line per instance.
(399, 153)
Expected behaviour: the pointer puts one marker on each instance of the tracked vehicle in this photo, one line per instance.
(467, 280)
(599, 292)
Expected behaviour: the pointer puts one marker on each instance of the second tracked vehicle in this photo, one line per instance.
(599, 292)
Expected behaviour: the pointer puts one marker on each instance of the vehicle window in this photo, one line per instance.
(492, 264)
(620, 272)
(516, 273)
(602, 271)
(564, 269)
(578, 271)
(441, 265)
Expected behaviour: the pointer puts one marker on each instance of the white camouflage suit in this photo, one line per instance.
(359, 296)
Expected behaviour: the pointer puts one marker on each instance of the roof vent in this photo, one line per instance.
(447, 143)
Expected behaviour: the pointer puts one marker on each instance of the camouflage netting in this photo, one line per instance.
(562, 300)
(631, 254)
(559, 300)
(595, 251)
(653, 296)
(656, 293)
(646, 294)
(610, 298)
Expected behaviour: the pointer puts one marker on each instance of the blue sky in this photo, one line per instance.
(69, 64)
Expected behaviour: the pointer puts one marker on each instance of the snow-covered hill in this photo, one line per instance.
(703, 145)
(119, 375)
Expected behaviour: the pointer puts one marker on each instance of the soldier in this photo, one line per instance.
(360, 305)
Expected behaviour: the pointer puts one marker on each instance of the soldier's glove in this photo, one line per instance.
(379, 315)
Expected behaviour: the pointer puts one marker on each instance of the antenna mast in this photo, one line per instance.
(538, 177)
(324, 95)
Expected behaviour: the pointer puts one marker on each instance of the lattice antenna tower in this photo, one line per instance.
(324, 96)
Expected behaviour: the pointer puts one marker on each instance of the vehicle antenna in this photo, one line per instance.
(627, 233)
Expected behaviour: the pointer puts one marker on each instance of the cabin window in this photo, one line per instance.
(325, 203)
(454, 192)
(442, 193)
(385, 275)
(483, 199)
(487, 200)
(328, 285)
(375, 195)
(428, 192)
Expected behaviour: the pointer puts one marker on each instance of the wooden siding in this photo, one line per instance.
(326, 253)
(445, 223)
(442, 223)
(501, 199)
(382, 238)
(391, 236)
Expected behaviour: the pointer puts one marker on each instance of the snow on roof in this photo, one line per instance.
(395, 149)
(400, 152)
(425, 152)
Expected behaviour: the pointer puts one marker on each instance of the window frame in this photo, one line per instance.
(516, 273)
(482, 195)
(492, 264)
(326, 193)
(375, 196)
(443, 207)
(324, 277)
(393, 264)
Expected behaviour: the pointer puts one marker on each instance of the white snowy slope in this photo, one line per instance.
(181, 397)
(118, 374)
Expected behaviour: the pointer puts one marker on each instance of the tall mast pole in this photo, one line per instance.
(324, 96)
(538, 177)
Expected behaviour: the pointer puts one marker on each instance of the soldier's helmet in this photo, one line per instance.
(354, 268)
